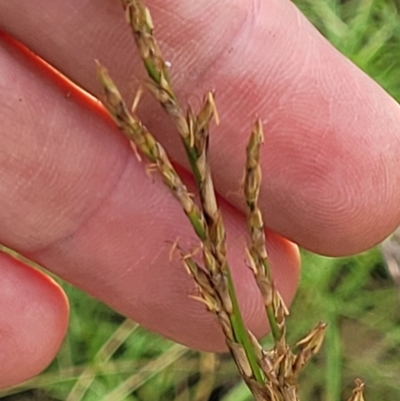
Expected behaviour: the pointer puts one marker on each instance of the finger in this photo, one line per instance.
(330, 162)
(33, 321)
(74, 198)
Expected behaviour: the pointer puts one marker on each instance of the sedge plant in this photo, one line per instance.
(271, 374)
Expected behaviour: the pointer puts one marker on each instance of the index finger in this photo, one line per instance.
(330, 162)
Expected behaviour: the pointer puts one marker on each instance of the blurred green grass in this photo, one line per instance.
(117, 360)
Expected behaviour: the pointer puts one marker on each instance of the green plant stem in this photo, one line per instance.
(241, 333)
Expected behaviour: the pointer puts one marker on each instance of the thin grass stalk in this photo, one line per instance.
(289, 365)
(88, 375)
(271, 375)
(274, 305)
(145, 373)
(139, 19)
(143, 140)
(199, 128)
(226, 306)
(194, 131)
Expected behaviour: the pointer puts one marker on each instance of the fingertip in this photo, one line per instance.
(33, 321)
(285, 261)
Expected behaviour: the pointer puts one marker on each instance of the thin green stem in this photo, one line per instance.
(241, 334)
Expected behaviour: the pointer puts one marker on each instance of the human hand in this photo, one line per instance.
(75, 200)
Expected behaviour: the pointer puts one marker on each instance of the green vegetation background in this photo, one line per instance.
(106, 358)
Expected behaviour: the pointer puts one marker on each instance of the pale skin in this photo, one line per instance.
(74, 198)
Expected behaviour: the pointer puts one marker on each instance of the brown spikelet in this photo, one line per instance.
(271, 375)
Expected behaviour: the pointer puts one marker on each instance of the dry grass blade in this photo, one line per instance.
(145, 373)
(309, 346)
(199, 133)
(88, 375)
(358, 392)
(207, 370)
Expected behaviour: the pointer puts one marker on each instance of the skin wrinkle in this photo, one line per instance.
(125, 179)
(20, 179)
(88, 215)
(36, 167)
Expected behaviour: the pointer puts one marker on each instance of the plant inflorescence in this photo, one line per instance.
(272, 375)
